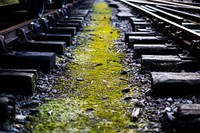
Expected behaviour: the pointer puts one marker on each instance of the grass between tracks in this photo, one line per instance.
(94, 101)
(3, 2)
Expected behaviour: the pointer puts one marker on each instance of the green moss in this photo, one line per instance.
(3, 2)
(94, 103)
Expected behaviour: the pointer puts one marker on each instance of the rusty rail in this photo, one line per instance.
(10, 33)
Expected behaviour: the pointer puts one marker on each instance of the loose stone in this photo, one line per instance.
(79, 79)
(126, 90)
(135, 114)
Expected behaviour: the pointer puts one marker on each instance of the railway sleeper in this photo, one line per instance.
(135, 19)
(72, 21)
(74, 17)
(138, 22)
(67, 23)
(188, 60)
(15, 82)
(40, 46)
(147, 29)
(124, 15)
(33, 71)
(188, 118)
(7, 110)
(64, 14)
(46, 28)
(114, 4)
(138, 25)
(146, 40)
(57, 18)
(191, 25)
(143, 24)
(23, 81)
(168, 63)
(52, 37)
(160, 63)
(155, 26)
(127, 34)
(38, 35)
(176, 46)
(144, 29)
(25, 44)
(80, 13)
(155, 49)
(124, 9)
(175, 84)
(157, 35)
(41, 61)
(196, 30)
(60, 30)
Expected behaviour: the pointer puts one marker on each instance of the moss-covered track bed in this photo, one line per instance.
(97, 85)
(93, 100)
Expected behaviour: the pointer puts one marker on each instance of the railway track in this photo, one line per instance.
(165, 39)
(44, 37)
(31, 45)
(157, 31)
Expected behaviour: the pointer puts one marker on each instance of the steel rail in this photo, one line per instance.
(177, 26)
(10, 33)
(148, 3)
(177, 11)
(179, 14)
(181, 6)
(185, 2)
(183, 14)
(177, 4)
(165, 13)
(165, 5)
